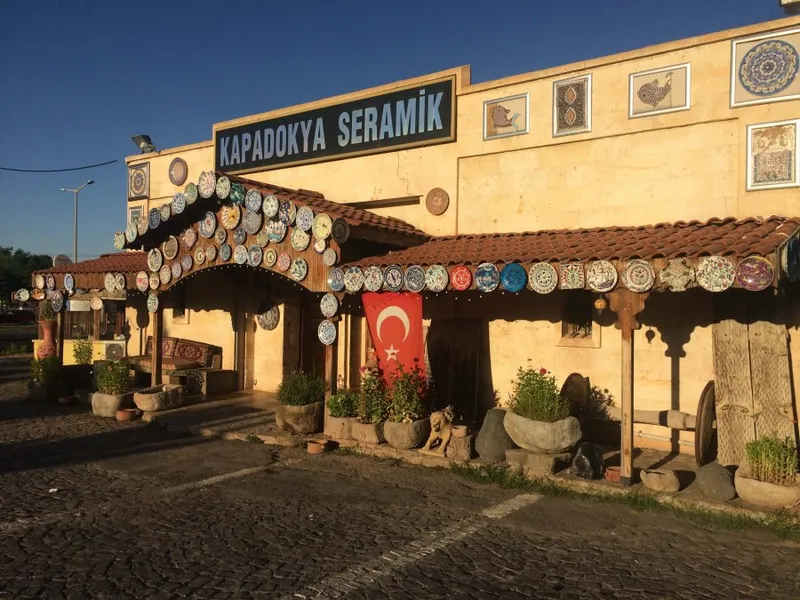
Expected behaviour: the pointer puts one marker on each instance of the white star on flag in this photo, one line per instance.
(391, 353)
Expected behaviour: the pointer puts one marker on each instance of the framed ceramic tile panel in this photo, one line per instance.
(764, 68)
(505, 117)
(572, 105)
(134, 213)
(772, 155)
(660, 91)
(138, 181)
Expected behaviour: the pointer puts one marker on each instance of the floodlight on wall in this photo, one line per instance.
(144, 143)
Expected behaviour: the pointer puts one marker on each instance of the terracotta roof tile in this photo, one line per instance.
(118, 262)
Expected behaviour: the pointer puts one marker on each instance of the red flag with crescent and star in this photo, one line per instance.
(395, 323)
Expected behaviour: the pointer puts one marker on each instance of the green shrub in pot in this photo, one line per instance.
(536, 396)
(772, 460)
(114, 377)
(82, 351)
(299, 389)
(343, 404)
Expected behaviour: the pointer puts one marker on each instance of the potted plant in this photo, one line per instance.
(372, 408)
(79, 375)
(341, 412)
(46, 379)
(302, 403)
(408, 425)
(113, 388)
(47, 325)
(538, 417)
(770, 476)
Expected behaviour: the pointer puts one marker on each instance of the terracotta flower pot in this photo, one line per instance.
(612, 474)
(48, 346)
(316, 446)
(127, 414)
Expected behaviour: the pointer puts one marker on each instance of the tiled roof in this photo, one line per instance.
(119, 262)
(724, 237)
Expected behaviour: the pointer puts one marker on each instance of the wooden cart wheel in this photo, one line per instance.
(705, 431)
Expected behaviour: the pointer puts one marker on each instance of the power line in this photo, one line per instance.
(58, 170)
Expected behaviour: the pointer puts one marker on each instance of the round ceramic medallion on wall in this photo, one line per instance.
(601, 276)
(769, 68)
(287, 212)
(269, 320)
(189, 237)
(237, 193)
(276, 231)
(460, 278)
(487, 277)
(755, 273)
(414, 278)
(320, 246)
(208, 225)
(220, 235)
(437, 201)
(50, 282)
(142, 281)
(240, 255)
(165, 211)
(715, 273)
(255, 255)
(223, 189)
(170, 247)
(130, 232)
(239, 236)
(23, 295)
(69, 282)
(56, 300)
(270, 206)
(199, 256)
(154, 281)
(176, 270)
(270, 257)
(336, 279)
(154, 218)
(252, 200)
(373, 279)
(225, 252)
(154, 259)
(39, 282)
(165, 274)
(152, 303)
(187, 263)
(513, 277)
(36, 294)
(354, 279)
(572, 276)
(211, 253)
(393, 278)
(436, 278)
(178, 171)
(340, 231)
(326, 332)
(96, 303)
(179, 202)
(207, 184)
(300, 240)
(284, 262)
(251, 222)
(142, 224)
(638, 275)
(677, 275)
(299, 269)
(329, 257)
(119, 282)
(329, 305)
(262, 239)
(189, 194)
(119, 240)
(321, 228)
(305, 218)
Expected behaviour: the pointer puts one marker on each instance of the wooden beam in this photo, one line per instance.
(157, 320)
(331, 367)
(60, 325)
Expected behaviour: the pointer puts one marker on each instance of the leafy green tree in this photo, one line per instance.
(16, 267)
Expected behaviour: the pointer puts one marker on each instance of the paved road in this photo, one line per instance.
(90, 508)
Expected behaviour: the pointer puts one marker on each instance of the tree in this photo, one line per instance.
(16, 267)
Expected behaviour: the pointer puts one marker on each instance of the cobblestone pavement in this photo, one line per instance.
(91, 508)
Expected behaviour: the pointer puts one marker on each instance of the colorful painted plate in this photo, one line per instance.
(69, 282)
(220, 235)
(187, 263)
(207, 184)
(572, 276)
(178, 171)
(230, 216)
(677, 275)
(239, 236)
(436, 278)
(24, 295)
(513, 277)
(241, 255)
(211, 253)
(340, 231)
(252, 200)
(299, 269)
(165, 211)
(254, 255)
(305, 218)
(284, 262)
(131, 232)
(179, 202)
(326, 332)
(460, 278)
(373, 279)
(601, 276)
(39, 281)
(119, 282)
(154, 280)
(755, 273)
(270, 206)
(142, 281)
(165, 274)
(487, 277)
(225, 252)
(393, 278)
(329, 257)
(251, 222)
(269, 320)
(287, 212)
(262, 239)
(208, 225)
(237, 193)
(354, 279)
(336, 279)
(300, 240)
(176, 270)
(96, 303)
(715, 273)
(50, 282)
(329, 305)
(639, 276)
(154, 259)
(152, 303)
(223, 188)
(199, 256)
(189, 237)
(56, 299)
(320, 246)
(189, 193)
(542, 278)
(170, 247)
(414, 278)
(321, 227)
(154, 218)
(142, 224)
(276, 231)
(119, 240)
(270, 257)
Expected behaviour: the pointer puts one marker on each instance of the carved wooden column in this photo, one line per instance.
(157, 320)
(331, 371)
(627, 305)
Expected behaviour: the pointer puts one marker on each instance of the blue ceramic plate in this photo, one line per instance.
(487, 277)
(514, 277)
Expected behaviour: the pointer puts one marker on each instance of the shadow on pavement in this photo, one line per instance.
(14, 369)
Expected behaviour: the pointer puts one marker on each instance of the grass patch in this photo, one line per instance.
(254, 439)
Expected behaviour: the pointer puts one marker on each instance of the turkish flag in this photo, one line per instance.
(395, 323)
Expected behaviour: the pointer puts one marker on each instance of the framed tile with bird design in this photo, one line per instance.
(659, 91)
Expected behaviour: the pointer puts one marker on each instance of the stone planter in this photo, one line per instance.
(370, 433)
(753, 491)
(306, 418)
(407, 435)
(48, 392)
(339, 428)
(545, 438)
(160, 397)
(107, 405)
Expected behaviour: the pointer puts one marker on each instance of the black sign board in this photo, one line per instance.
(403, 118)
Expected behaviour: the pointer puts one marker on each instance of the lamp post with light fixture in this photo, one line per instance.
(75, 229)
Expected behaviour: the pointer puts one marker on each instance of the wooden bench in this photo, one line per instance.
(178, 354)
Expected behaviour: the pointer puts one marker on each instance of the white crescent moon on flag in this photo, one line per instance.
(393, 311)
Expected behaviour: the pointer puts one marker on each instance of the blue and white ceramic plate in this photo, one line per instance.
(415, 278)
(237, 193)
(189, 193)
(179, 202)
(300, 240)
(514, 277)
(373, 278)
(223, 188)
(276, 231)
(299, 269)
(287, 212)
(165, 211)
(154, 218)
(329, 305)
(208, 225)
(393, 278)
(436, 278)
(69, 282)
(224, 252)
(241, 255)
(252, 200)
(186, 263)
(336, 279)
(254, 255)
(251, 222)
(220, 235)
(270, 206)
(326, 332)
(487, 277)
(176, 271)
(305, 218)
(239, 235)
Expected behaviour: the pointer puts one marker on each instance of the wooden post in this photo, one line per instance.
(60, 324)
(331, 368)
(158, 338)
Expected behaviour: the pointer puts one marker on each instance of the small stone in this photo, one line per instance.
(492, 440)
(460, 448)
(716, 482)
(535, 464)
(588, 462)
(661, 480)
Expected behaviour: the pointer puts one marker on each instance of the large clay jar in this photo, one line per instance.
(48, 345)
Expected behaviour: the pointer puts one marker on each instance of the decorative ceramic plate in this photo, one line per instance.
(230, 215)
(487, 277)
(237, 193)
(262, 239)
(284, 262)
(300, 240)
(239, 236)
(252, 200)
(329, 305)
(220, 235)
(199, 256)
(513, 277)
(211, 253)
(186, 263)
(305, 218)
(176, 270)
(542, 278)
(373, 279)
(299, 269)
(329, 257)
(170, 247)
(96, 303)
(179, 202)
(142, 281)
(69, 282)
(336, 279)
(340, 231)
(715, 273)
(165, 211)
(165, 274)
(321, 227)
(754, 273)
(436, 278)
(223, 187)
(207, 184)
(269, 320)
(24, 295)
(142, 224)
(320, 246)
(50, 282)
(572, 276)
(208, 225)
(153, 218)
(154, 259)
(225, 252)
(154, 281)
(254, 255)
(393, 278)
(108, 280)
(152, 303)
(601, 276)
(326, 332)
(460, 278)
(276, 231)
(639, 276)
(270, 257)
(287, 212)
(178, 170)
(119, 282)
(241, 255)
(354, 279)
(189, 237)
(251, 222)
(677, 275)
(119, 240)
(189, 193)
(130, 232)
(270, 206)
(56, 300)
(39, 282)
(414, 278)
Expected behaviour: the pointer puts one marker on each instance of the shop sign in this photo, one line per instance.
(404, 118)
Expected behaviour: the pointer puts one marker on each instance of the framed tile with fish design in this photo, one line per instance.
(504, 117)
(572, 105)
(659, 91)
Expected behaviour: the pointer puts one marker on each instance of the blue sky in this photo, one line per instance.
(78, 78)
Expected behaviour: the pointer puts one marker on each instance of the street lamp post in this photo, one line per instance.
(75, 229)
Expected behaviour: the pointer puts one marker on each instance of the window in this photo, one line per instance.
(577, 327)
(134, 213)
